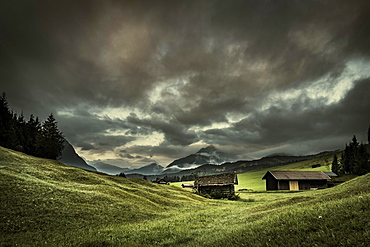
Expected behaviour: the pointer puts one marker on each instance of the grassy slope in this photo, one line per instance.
(45, 203)
(40, 196)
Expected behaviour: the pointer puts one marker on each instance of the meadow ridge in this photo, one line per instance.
(46, 203)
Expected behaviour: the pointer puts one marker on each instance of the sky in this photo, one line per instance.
(136, 82)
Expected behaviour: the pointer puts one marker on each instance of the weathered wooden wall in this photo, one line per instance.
(273, 184)
(225, 189)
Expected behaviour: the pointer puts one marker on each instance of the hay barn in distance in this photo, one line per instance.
(296, 180)
(219, 183)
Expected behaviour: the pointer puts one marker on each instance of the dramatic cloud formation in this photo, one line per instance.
(135, 82)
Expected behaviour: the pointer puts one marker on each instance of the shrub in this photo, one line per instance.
(233, 196)
(219, 195)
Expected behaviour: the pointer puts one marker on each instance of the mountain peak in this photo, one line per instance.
(70, 157)
(153, 165)
(207, 155)
(209, 149)
(150, 169)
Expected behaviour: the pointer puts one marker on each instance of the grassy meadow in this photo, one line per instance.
(252, 180)
(46, 203)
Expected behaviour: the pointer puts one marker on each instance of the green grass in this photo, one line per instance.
(45, 203)
(252, 180)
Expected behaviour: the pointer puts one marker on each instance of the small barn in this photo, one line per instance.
(219, 183)
(160, 181)
(296, 180)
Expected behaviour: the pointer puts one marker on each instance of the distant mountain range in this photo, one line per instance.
(70, 157)
(239, 166)
(109, 169)
(206, 161)
(208, 155)
(150, 169)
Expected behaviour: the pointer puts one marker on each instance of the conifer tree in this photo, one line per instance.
(20, 132)
(30, 137)
(355, 158)
(335, 165)
(362, 165)
(346, 160)
(368, 135)
(7, 131)
(33, 131)
(50, 143)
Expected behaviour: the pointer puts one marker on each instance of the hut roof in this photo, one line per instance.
(331, 174)
(217, 180)
(298, 175)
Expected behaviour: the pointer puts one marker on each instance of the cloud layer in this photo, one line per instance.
(140, 81)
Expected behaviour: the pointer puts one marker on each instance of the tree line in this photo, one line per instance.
(179, 178)
(354, 158)
(31, 137)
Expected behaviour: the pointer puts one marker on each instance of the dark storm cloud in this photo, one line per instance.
(174, 132)
(351, 116)
(93, 133)
(170, 151)
(178, 67)
(294, 124)
(85, 146)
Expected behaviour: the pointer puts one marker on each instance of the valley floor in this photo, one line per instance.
(45, 203)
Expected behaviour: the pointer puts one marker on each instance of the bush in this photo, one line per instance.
(233, 196)
(219, 195)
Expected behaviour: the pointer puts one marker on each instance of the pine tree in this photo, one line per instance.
(33, 131)
(20, 132)
(351, 156)
(7, 131)
(355, 158)
(122, 174)
(346, 160)
(362, 165)
(50, 143)
(335, 165)
(368, 135)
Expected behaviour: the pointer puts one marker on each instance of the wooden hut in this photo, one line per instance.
(296, 180)
(219, 183)
(160, 181)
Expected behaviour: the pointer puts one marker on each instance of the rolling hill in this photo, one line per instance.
(46, 203)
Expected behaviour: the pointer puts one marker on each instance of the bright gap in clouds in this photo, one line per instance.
(101, 113)
(169, 88)
(219, 125)
(154, 139)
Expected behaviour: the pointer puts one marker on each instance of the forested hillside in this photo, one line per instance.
(31, 137)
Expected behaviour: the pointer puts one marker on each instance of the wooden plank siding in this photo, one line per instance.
(223, 189)
(295, 180)
(293, 185)
(219, 183)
